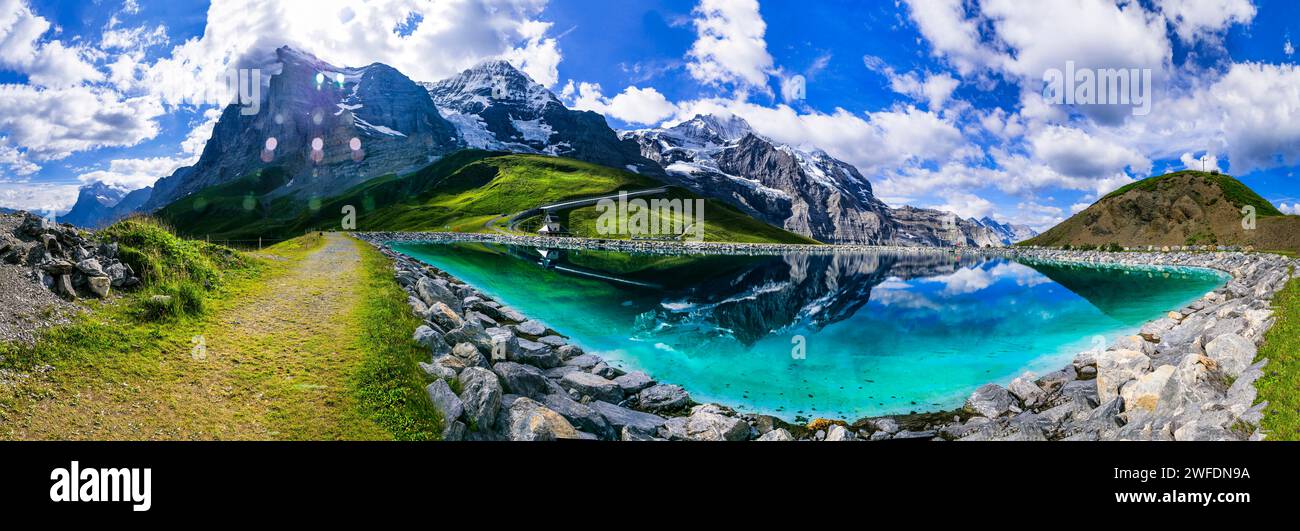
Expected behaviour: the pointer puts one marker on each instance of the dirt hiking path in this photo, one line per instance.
(272, 367)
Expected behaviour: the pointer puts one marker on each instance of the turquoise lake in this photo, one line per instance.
(823, 335)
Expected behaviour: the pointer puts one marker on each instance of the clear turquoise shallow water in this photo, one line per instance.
(881, 333)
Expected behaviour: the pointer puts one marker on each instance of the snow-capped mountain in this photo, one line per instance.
(99, 205)
(1009, 234)
(497, 107)
(401, 126)
(331, 128)
(309, 117)
(807, 192)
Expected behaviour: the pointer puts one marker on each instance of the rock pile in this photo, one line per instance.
(65, 260)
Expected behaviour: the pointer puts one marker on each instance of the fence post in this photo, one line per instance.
(259, 243)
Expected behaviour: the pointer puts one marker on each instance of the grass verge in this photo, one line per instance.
(388, 384)
(1280, 385)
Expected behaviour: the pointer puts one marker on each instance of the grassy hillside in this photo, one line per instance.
(1181, 208)
(461, 192)
(722, 223)
(1237, 193)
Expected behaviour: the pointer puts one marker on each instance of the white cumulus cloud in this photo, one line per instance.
(635, 105)
(730, 47)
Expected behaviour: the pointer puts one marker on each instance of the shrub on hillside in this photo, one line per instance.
(159, 256)
(176, 272)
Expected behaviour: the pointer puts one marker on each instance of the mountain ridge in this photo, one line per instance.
(402, 126)
(807, 192)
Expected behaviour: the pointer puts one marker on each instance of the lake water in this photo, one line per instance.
(831, 335)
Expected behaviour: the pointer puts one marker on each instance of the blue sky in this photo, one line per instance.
(938, 102)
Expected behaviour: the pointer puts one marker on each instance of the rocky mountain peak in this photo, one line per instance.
(101, 193)
(708, 129)
(492, 82)
(328, 126)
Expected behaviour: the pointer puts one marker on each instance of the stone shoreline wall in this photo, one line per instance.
(1187, 376)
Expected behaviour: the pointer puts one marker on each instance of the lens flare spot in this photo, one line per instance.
(320, 78)
(317, 144)
(271, 143)
(339, 78)
(355, 143)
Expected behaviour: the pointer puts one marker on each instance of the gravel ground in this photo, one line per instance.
(25, 305)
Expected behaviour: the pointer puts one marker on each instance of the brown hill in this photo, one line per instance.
(1182, 208)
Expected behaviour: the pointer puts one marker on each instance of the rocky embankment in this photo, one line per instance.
(1187, 376)
(650, 246)
(501, 376)
(46, 265)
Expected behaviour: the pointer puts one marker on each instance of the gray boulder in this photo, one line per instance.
(1135, 342)
(469, 356)
(569, 351)
(91, 268)
(1054, 381)
(430, 292)
(1154, 330)
(438, 370)
(620, 417)
(1232, 353)
(100, 286)
(531, 421)
(1028, 392)
(1146, 392)
(840, 433)
(119, 273)
(634, 382)
(531, 328)
(583, 361)
(707, 422)
(779, 434)
(445, 401)
(481, 393)
(443, 316)
(536, 354)
(886, 424)
(554, 341)
(632, 434)
(990, 400)
(663, 397)
(521, 379)
(588, 384)
(473, 334)
(430, 339)
(580, 415)
(505, 346)
(1117, 367)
